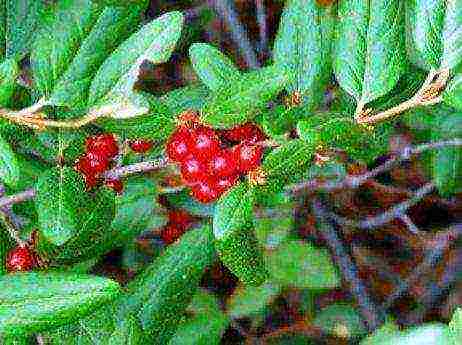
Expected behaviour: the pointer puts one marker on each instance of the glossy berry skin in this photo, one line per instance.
(205, 142)
(193, 169)
(222, 164)
(116, 185)
(20, 259)
(90, 181)
(224, 183)
(103, 145)
(91, 164)
(247, 132)
(180, 218)
(179, 144)
(141, 146)
(247, 157)
(205, 191)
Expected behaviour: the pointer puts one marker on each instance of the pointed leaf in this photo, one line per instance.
(201, 330)
(184, 98)
(453, 93)
(241, 100)
(9, 166)
(155, 42)
(9, 71)
(452, 35)
(60, 196)
(370, 55)
(251, 300)
(33, 302)
(303, 44)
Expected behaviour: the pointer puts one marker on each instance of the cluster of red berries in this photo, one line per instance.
(20, 259)
(178, 223)
(100, 150)
(208, 165)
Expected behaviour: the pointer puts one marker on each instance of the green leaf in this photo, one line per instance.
(161, 294)
(20, 20)
(340, 319)
(251, 300)
(5, 245)
(155, 42)
(204, 302)
(235, 241)
(213, 68)
(184, 98)
(240, 101)
(370, 53)
(60, 196)
(34, 302)
(114, 24)
(127, 332)
(447, 165)
(9, 167)
(433, 33)
(201, 330)
(288, 163)
(58, 42)
(452, 95)
(301, 265)
(9, 71)
(455, 326)
(303, 44)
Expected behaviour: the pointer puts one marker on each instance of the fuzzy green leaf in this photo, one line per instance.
(235, 241)
(455, 326)
(184, 98)
(9, 167)
(114, 24)
(452, 35)
(303, 44)
(161, 294)
(453, 93)
(34, 302)
(60, 196)
(301, 265)
(240, 101)
(9, 71)
(370, 54)
(154, 42)
(213, 68)
(251, 300)
(447, 165)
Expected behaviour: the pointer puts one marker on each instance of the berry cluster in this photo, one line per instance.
(20, 259)
(208, 165)
(178, 222)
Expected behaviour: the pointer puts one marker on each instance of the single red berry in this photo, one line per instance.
(222, 164)
(225, 183)
(205, 191)
(141, 146)
(92, 164)
(247, 157)
(170, 233)
(193, 169)
(248, 132)
(179, 144)
(205, 142)
(103, 145)
(180, 218)
(116, 185)
(90, 181)
(20, 259)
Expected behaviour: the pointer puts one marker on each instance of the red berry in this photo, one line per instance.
(141, 146)
(104, 145)
(90, 181)
(178, 145)
(180, 218)
(247, 157)
(20, 259)
(222, 164)
(205, 191)
(205, 142)
(170, 233)
(248, 132)
(116, 185)
(225, 183)
(92, 164)
(193, 169)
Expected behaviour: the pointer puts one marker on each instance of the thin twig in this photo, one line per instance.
(136, 168)
(228, 14)
(381, 219)
(372, 315)
(11, 228)
(354, 181)
(28, 194)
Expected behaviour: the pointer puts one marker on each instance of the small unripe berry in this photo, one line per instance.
(141, 146)
(20, 259)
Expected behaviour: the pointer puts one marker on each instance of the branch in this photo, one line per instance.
(261, 19)
(373, 315)
(396, 211)
(427, 95)
(354, 181)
